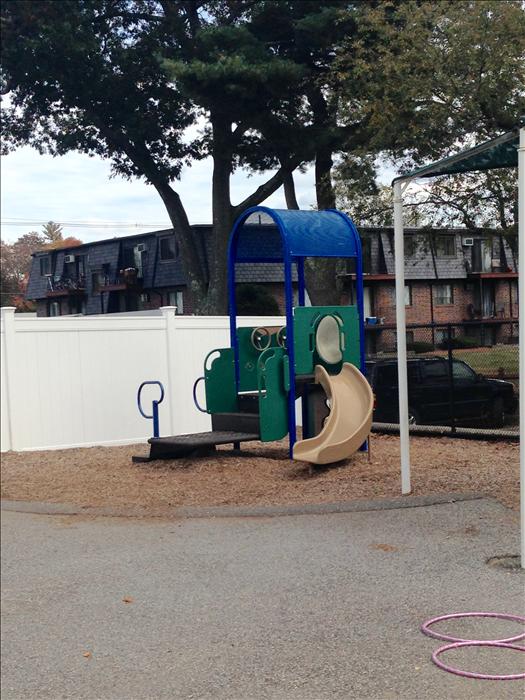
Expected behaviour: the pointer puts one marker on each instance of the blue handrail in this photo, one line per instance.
(155, 406)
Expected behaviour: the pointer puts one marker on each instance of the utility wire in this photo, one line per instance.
(86, 224)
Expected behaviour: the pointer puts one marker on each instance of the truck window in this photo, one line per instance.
(462, 371)
(435, 370)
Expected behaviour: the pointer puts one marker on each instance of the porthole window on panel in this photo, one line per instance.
(168, 247)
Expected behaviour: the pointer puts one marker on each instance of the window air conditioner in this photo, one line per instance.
(69, 259)
(468, 242)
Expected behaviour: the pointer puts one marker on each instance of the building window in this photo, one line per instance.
(407, 293)
(54, 308)
(443, 294)
(409, 245)
(446, 246)
(176, 299)
(441, 335)
(98, 280)
(366, 251)
(168, 247)
(45, 265)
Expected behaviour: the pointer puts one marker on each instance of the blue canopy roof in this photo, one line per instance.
(291, 233)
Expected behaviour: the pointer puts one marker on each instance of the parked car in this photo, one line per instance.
(477, 401)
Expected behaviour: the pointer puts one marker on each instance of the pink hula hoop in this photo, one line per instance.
(472, 674)
(425, 628)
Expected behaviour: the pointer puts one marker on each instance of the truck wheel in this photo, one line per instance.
(498, 413)
(413, 416)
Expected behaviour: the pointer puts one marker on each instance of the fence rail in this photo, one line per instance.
(71, 381)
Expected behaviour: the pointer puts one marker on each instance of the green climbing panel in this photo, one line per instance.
(248, 358)
(221, 393)
(273, 384)
(305, 323)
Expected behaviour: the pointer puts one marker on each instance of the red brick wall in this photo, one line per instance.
(420, 309)
(457, 311)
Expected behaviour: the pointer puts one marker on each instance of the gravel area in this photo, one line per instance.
(260, 474)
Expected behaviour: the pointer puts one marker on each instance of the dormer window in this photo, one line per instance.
(446, 246)
(45, 265)
(168, 247)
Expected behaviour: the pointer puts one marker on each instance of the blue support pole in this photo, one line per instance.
(232, 300)
(154, 406)
(156, 432)
(301, 299)
(288, 290)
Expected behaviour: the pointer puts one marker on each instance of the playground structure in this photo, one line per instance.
(252, 387)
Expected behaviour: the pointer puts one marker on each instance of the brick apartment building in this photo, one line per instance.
(452, 276)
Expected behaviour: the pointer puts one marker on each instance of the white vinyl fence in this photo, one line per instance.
(72, 381)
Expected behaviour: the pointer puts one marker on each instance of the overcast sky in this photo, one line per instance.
(76, 188)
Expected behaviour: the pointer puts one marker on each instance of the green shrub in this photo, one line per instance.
(419, 346)
(254, 300)
(459, 343)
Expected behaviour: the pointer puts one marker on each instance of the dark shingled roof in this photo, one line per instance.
(424, 264)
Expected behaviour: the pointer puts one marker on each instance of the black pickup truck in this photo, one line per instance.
(477, 401)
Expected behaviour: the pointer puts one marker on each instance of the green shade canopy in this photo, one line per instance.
(501, 152)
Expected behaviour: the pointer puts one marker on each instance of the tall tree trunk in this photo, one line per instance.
(321, 273)
(223, 215)
(193, 263)
(289, 191)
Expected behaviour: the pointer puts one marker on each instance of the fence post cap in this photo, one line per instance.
(8, 310)
(168, 310)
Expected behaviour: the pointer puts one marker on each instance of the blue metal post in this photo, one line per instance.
(232, 300)
(154, 404)
(301, 295)
(288, 291)
(156, 432)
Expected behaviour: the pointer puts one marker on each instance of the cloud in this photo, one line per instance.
(75, 187)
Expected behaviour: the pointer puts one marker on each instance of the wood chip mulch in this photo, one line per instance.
(260, 474)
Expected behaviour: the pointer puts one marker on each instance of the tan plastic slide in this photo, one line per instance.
(348, 424)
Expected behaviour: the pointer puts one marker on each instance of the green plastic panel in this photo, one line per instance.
(221, 393)
(248, 358)
(273, 401)
(305, 322)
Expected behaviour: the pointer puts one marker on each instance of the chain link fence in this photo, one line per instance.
(462, 378)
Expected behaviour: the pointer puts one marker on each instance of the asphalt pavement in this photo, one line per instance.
(308, 606)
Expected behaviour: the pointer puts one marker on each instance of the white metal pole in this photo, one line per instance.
(399, 250)
(521, 283)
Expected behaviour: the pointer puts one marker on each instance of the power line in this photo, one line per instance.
(86, 224)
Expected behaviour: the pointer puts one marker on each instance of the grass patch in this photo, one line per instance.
(487, 361)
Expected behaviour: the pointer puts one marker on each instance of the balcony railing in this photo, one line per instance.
(495, 310)
(124, 279)
(64, 286)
